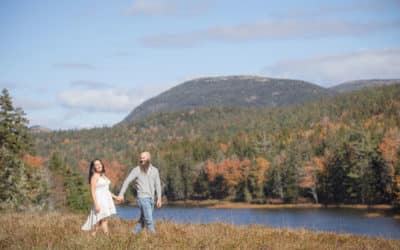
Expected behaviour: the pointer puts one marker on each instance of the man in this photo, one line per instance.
(147, 180)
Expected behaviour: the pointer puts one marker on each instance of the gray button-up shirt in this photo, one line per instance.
(146, 182)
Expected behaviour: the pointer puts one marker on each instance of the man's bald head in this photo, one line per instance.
(145, 158)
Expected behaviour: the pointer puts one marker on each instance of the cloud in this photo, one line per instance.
(24, 86)
(348, 8)
(93, 96)
(103, 99)
(78, 119)
(74, 66)
(166, 7)
(183, 40)
(267, 30)
(89, 104)
(334, 69)
(123, 54)
(27, 103)
(89, 84)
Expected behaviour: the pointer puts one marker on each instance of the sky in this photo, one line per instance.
(88, 63)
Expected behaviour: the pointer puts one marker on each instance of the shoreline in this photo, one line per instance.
(369, 211)
(242, 205)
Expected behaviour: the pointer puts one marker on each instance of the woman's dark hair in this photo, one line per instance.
(92, 170)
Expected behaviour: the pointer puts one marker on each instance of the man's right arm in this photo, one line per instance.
(132, 175)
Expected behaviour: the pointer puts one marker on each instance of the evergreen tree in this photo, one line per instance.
(13, 182)
(77, 193)
(200, 186)
(20, 187)
(14, 136)
(55, 162)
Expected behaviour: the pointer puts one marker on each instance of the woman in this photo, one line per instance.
(103, 205)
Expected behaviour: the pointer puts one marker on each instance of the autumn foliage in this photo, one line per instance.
(34, 161)
(233, 170)
(115, 171)
(390, 149)
(341, 149)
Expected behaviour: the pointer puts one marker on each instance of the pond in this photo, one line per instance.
(338, 220)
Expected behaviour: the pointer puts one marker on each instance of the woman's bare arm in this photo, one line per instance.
(93, 183)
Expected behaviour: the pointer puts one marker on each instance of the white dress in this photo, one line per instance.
(105, 202)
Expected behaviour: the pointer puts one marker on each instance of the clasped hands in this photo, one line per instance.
(119, 198)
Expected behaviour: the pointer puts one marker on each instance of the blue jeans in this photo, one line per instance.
(146, 206)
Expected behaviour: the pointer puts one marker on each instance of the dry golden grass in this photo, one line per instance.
(62, 231)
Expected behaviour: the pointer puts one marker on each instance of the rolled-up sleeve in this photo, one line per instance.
(132, 175)
(158, 185)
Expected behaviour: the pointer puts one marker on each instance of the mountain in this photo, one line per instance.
(243, 91)
(355, 85)
(334, 150)
(39, 129)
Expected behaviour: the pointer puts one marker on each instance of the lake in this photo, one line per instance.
(338, 220)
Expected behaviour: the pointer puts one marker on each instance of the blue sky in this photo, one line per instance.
(78, 64)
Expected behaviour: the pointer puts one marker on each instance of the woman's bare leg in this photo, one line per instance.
(96, 227)
(104, 226)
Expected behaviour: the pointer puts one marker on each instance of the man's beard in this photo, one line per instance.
(144, 162)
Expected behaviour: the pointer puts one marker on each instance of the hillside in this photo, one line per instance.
(335, 150)
(358, 84)
(39, 129)
(240, 91)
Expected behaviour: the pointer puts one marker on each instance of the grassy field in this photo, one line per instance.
(62, 231)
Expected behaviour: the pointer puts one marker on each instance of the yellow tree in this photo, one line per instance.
(211, 170)
(259, 172)
(390, 148)
(309, 179)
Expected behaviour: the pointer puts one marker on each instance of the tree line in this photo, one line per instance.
(342, 149)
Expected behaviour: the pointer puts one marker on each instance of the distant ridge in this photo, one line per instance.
(244, 91)
(358, 84)
(39, 129)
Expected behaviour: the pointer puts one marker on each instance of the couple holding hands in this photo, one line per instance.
(147, 179)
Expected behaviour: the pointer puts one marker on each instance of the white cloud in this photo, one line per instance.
(92, 96)
(73, 119)
(104, 99)
(151, 7)
(334, 69)
(74, 66)
(166, 7)
(89, 84)
(28, 104)
(267, 30)
(329, 9)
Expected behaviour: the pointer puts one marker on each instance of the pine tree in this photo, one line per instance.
(13, 182)
(20, 185)
(55, 162)
(77, 193)
(14, 136)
